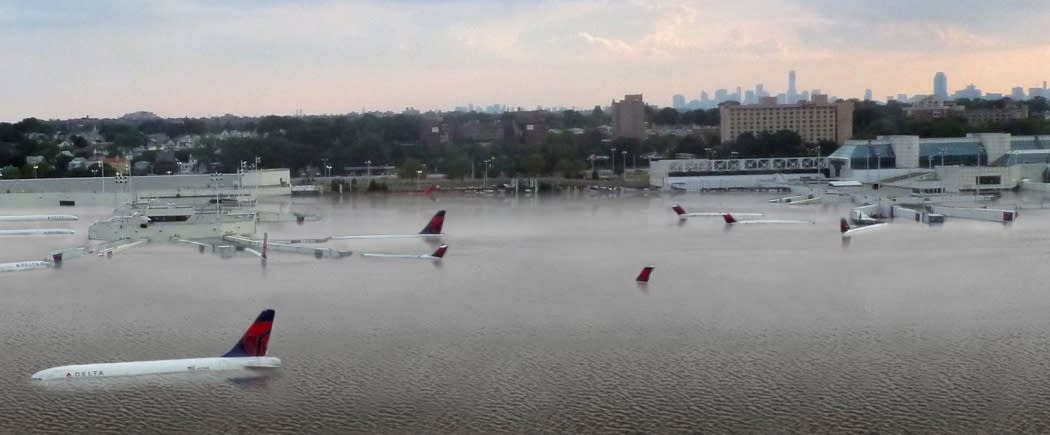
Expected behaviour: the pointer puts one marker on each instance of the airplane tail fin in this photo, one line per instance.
(643, 276)
(843, 225)
(440, 251)
(255, 339)
(728, 218)
(678, 209)
(434, 226)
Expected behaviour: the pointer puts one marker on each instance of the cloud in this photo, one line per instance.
(925, 26)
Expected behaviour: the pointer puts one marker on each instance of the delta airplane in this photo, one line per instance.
(683, 215)
(643, 276)
(430, 232)
(248, 353)
(848, 231)
(437, 255)
(37, 232)
(25, 265)
(39, 217)
(730, 220)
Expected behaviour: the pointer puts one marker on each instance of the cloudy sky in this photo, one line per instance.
(203, 57)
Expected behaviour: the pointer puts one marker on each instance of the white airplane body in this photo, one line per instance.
(430, 232)
(248, 353)
(682, 214)
(437, 255)
(25, 265)
(37, 232)
(730, 220)
(39, 217)
(158, 367)
(848, 231)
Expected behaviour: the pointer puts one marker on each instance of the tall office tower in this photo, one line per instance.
(792, 94)
(628, 117)
(759, 92)
(867, 95)
(739, 94)
(940, 86)
(678, 102)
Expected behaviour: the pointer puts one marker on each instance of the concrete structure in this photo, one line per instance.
(992, 161)
(996, 115)
(815, 121)
(628, 117)
(524, 128)
(932, 107)
(89, 190)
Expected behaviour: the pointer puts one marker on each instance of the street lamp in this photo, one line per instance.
(369, 164)
(977, 180)
(419, 179)
(624, 161)
(485, 178)
(612, 159)
(328, 168)
(878, 161)
(34, 171)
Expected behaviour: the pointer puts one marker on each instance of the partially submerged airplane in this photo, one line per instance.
(248, 353)
(683, 215)
(848, 231)
(430, 232)
(437, 255)
(643, 276)
(731, 220)
(38, 217)
(37, 232)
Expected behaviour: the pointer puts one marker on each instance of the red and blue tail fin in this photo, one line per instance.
(678, 209)
(728, 218)
(643, 276)
(434, 226)
(843, 225)
(256, 338)
(440, 251)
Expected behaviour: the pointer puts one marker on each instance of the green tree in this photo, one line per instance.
(408, 168)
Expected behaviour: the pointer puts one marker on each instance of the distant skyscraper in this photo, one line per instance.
(678, 101)
(759, 92)
(867, 95)
(940, 86)
(739, 94)
(792, 94)
(1017, 93)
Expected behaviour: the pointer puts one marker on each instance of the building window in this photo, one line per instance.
(989, 180)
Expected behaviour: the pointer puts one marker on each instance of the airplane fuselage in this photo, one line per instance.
(158, 367)
(24, 265)
(37, 232)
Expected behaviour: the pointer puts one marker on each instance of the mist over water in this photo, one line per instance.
(533, 323)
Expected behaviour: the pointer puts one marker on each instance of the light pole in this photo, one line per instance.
(368, 163)
(485, 178)
(977, 179)
(878, 161)
(612, 160)
(419, 179)
(34, 171)
(624, 161)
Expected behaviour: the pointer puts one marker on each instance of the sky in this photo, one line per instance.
(105, 58)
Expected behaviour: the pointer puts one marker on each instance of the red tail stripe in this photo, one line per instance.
(643, 276)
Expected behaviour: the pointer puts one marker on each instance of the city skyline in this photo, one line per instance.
(192, 58)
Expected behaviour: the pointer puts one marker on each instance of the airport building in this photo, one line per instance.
(992, 161)
(976, 162)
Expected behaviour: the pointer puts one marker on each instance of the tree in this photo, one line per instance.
(408, 168)
(534, 164)
(666, 116)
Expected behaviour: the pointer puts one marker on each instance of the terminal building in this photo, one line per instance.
(992, 161)
(976, 162)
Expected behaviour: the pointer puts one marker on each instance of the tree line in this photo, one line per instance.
(303, 143)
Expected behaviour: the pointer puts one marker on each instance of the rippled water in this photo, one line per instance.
(533, 323)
